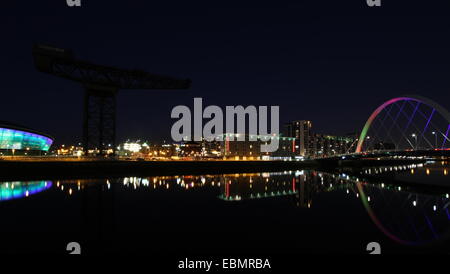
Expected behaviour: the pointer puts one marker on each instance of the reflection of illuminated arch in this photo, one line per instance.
(441, 110)
(441, 237)
(376, 221)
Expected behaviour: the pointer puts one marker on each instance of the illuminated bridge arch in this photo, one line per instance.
(410, 99)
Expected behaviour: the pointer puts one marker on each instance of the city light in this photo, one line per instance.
(133, 147)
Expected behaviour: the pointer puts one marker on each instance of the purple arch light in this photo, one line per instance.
(441, 110)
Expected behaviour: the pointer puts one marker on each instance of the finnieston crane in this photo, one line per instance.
(101, 84)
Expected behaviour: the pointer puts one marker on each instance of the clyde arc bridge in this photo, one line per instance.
(405, 124)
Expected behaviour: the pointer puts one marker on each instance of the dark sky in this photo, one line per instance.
(332, 62)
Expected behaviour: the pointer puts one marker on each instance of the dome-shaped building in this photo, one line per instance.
(16, 139)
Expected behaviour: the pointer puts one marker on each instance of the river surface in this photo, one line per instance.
(404, 209)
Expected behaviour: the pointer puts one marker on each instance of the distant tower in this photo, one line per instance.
(301, 130)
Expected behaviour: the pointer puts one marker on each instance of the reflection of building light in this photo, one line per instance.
(445, 172)
(412, 171)
(16, 190)
(428, 171)
(265, 175)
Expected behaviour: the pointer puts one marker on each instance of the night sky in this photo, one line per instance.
(332, 62)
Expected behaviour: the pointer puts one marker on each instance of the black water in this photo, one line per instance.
(264, 213)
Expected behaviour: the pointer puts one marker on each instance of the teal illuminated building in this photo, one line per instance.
(18, 140)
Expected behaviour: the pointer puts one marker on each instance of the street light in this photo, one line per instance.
(415, 137)
(435, 138)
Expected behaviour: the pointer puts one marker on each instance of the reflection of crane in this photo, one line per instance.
(101, 84)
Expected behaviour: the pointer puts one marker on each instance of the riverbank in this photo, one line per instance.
(15, 170)
(32, 170)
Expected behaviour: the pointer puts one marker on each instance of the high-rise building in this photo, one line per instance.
(323, 145)
(314, 145)
(301, 131)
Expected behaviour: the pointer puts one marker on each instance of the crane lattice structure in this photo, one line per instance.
(101, 84)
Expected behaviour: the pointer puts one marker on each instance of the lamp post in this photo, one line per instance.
(435, 139)
(415, 137)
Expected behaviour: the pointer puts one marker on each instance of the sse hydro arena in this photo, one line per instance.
(19, 140)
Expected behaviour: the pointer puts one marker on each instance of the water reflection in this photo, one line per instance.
(409, 214)
(16, 190)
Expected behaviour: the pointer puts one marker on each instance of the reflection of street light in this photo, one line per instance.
(415, 137)
(435, 138)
